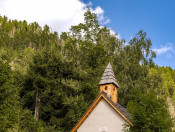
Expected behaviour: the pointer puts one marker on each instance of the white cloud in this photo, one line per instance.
(114, 33)
(99, 10)
(107, 21)
(60, 15)
(118, 36)
(162, 50)
(100, 14)
(168, 50)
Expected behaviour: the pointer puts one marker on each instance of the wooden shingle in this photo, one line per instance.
(108, 76)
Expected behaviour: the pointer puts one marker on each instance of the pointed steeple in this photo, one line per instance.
(108, 76)
(108, 84)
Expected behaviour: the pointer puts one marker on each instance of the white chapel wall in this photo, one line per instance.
(103, 118)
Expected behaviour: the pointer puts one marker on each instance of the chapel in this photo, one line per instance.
(105, 114)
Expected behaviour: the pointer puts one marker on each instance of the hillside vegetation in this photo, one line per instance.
(48, 81)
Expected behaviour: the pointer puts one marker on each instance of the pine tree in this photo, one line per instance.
(9, 105)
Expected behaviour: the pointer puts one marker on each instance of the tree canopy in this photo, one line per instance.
(47, 81)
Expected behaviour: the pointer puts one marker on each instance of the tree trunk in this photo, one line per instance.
(37, 106)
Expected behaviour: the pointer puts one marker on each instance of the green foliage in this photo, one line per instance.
(89, 46)
(9, 108)
(149, 113)
(162, 81)
(59, 77)
(55, 80)
(131, 65)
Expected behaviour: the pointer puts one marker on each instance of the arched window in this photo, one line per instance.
(114, 89)
(106, 88)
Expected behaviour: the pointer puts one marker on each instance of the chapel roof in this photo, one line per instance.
(117, 107)
(108, 76)
(121, 108)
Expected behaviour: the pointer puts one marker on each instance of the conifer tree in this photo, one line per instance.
(9, 105)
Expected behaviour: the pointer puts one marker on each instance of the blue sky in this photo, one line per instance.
(155, 17)
(125, 17)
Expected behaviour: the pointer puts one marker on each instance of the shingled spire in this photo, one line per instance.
(108, 76)
(108, 83)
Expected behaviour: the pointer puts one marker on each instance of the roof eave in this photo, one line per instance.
(109, 83)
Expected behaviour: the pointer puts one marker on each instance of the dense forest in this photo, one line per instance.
(47, 81)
